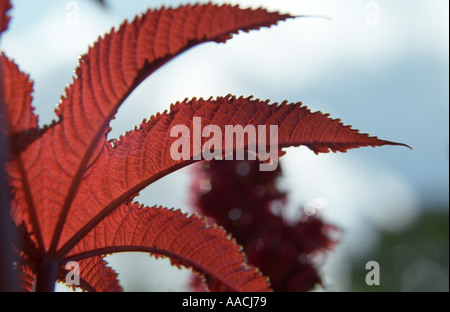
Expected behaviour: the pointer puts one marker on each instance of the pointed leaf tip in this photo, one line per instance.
(397, 144)
(314, 16)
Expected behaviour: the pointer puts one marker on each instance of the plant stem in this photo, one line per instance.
(8, 235)
(47, 271)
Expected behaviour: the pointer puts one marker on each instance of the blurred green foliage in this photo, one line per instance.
(413, 260)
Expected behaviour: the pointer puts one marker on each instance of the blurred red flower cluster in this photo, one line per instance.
(248, 203)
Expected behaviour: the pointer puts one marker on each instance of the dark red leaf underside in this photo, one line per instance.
(143, 155)
(188, 240)
(55, 163)
(26, 277)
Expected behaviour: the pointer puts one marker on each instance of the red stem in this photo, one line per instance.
(46, 275)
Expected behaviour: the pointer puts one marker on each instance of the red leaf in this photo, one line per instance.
(188, 241)
(143, 155)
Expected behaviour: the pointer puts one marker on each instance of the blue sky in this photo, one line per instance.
(380, 66)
